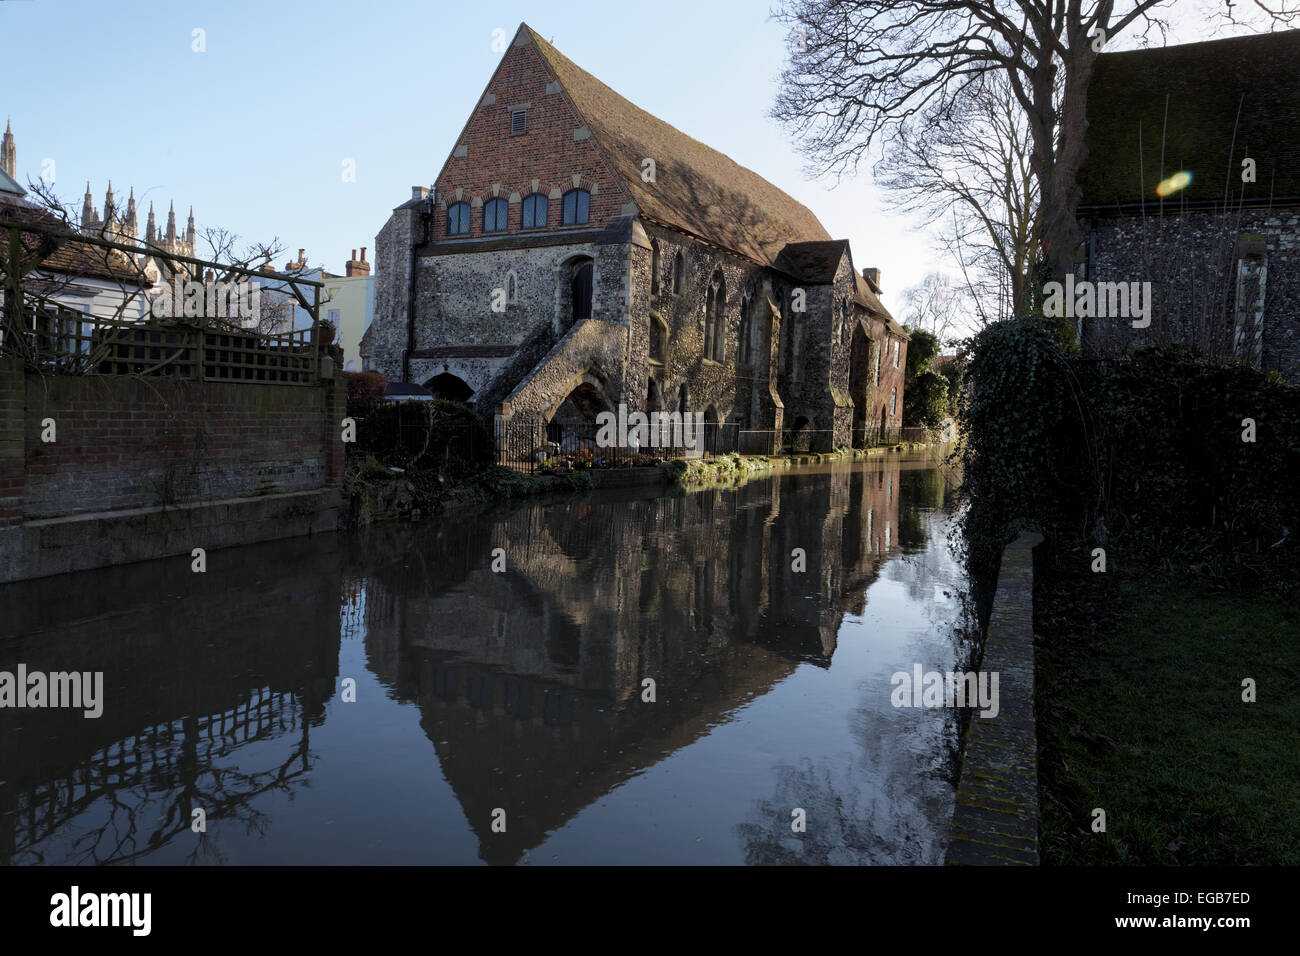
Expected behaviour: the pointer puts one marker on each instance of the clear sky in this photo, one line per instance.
(255, 130)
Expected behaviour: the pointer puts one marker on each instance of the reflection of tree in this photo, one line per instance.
(836, 832)
(171, 769)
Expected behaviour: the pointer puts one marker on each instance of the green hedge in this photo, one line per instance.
(1146, 453)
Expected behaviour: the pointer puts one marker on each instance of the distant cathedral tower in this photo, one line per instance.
(8, 154)
(130, 229)
(116, 225)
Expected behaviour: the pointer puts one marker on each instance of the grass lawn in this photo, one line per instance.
(1140, 713)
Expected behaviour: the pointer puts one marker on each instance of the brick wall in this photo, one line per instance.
(131, 443)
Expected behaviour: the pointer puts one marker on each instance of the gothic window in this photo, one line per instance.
(880, 347)
(495, 215)
(893, 402)
(534, 212)
(715, 331)
(896, 348)
(510, 287)
(577, 207)
(679, 271)
(458, 219)
(658, 339)
(654, 267)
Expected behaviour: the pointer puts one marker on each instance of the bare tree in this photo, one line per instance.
(61, 260)
(970, 172)
(937, 306)
(859, 69)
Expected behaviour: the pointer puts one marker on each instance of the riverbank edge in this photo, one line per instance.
(398, 498)
(995, 818)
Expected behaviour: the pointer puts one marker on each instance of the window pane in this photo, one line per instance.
(577, 204)
(534, 211)
(495, 215)
(458, 219)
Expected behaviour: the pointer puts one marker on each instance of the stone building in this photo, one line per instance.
(1192, 183)
(576, 253)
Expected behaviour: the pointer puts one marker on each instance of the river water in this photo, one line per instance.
(499, 668)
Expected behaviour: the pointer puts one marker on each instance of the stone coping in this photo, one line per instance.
(995, 820)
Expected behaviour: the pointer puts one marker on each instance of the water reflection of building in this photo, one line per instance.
(529, 680)
(196, 668)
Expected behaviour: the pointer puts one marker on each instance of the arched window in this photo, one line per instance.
(458, 219)
(658, 339)
(715, 329)
(679, 270)
(654, 267)
(580, 288)
(880, 348)
(496, 215)
(510, 286)
(534, 212)
(577, 207)
(893, 402)
(682, 397)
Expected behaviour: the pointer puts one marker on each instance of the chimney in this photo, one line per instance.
(873, 279)
(355, 266)
(300, 264)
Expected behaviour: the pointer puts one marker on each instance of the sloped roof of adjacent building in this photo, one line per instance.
(696, 189)
(1204, 86)
(817, 262)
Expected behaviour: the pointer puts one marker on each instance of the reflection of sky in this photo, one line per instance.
(825, 739)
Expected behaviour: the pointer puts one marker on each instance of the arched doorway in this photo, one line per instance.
(573, 425)
(712, 430)
(453, 388)
(576, 281)
(799, 434)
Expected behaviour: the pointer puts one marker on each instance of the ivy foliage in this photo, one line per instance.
(925, 391)
(1148, 454)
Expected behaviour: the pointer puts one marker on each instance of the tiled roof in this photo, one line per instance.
(696, 188)
(1203, 85)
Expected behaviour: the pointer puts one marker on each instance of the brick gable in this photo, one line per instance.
(555, 148)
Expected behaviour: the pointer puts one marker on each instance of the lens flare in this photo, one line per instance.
(1174, 183)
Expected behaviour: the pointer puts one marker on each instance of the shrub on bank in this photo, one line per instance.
(441, 437)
